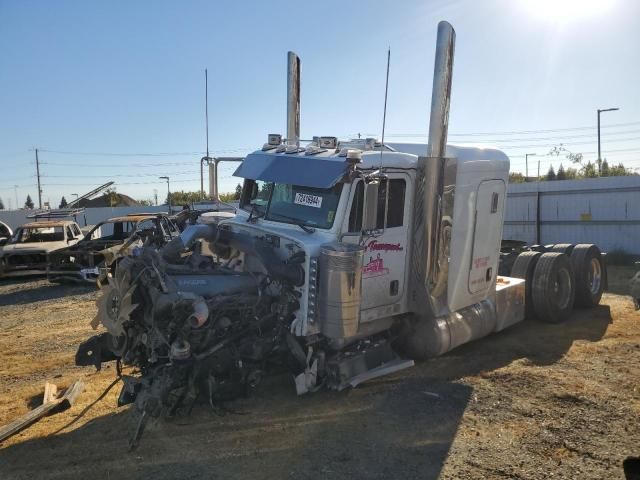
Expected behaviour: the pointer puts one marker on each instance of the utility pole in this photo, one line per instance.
(526, 164)
(15, 189)
(599, 156)
(538, 170)
(168, 192)
(38, 175)
(155, 196)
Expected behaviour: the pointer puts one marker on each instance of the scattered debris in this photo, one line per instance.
(50, 402)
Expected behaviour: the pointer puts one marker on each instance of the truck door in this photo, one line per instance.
(487, 235)
(383, 271)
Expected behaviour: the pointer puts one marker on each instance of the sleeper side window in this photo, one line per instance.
(395, 210)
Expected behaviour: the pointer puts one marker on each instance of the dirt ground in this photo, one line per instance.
(536, 401)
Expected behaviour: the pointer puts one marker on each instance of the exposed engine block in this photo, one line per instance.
(195, 327)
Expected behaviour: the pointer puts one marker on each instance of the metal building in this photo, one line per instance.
(604, 211)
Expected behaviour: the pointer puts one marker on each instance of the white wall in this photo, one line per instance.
(604, 211)
(90, 216)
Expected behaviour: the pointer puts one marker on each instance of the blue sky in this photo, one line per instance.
(127, 77)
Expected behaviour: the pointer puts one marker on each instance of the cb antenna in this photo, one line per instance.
(206, 106)
(384, 114)
(205, 159)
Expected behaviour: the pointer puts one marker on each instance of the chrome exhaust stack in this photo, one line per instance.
(293, 99)
(434, 328)
(434, 194)
(440, 187)
(441, 91)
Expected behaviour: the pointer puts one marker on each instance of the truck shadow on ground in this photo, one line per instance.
(401, 426)
(20, 291)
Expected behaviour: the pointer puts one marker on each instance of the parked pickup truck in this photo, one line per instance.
(105, 243)
(26, 252)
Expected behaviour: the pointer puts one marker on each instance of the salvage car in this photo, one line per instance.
(97, 253)
(5, 233)
(27, 251)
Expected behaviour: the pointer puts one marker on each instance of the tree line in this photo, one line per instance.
(587, 170)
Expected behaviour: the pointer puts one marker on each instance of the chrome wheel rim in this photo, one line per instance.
(595, 276)
(562, 288)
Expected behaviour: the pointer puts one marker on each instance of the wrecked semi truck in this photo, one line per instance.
(346, 261)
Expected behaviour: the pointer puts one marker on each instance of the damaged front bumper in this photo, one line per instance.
(19, 265)
(87, 275)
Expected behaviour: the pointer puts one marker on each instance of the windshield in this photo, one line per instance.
(111, 231)
(39, 234)
(286, 203)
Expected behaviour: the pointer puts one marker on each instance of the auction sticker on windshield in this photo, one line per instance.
(308, 200)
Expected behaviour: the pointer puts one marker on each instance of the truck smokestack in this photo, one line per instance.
(430, 232)
(293, 99)
(441, 92)
(436, 237)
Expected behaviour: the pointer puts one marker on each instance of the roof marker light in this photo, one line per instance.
(314, 150)
(293, 149)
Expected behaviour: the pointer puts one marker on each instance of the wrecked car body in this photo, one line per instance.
(95, 255)
(203, 212)
(5, 233)
(26, 253)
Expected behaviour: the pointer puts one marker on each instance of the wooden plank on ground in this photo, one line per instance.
(64, 402)
(50, 393)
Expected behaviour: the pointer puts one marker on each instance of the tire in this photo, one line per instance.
(506, 262)
(590, 273)
(565, 248)
(523, 268)
(553, 288)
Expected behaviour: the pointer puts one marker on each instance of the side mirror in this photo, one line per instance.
(370, 217)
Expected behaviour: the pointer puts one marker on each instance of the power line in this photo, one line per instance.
(140, 154)
(111, 165)
(127, 175)
(540, 139)
(536, 145)
(514, 132)
(121, 183)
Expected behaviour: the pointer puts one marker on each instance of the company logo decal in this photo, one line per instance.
(374, 268)
(375, 246)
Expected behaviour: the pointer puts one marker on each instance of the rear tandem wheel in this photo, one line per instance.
(523, 268)
(553, 288)
(566, 248)
(590, 274)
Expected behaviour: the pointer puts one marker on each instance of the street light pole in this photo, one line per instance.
(168, 192)
(600, 110)
(526, 163)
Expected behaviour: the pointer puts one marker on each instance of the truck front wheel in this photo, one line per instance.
(553, 288)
